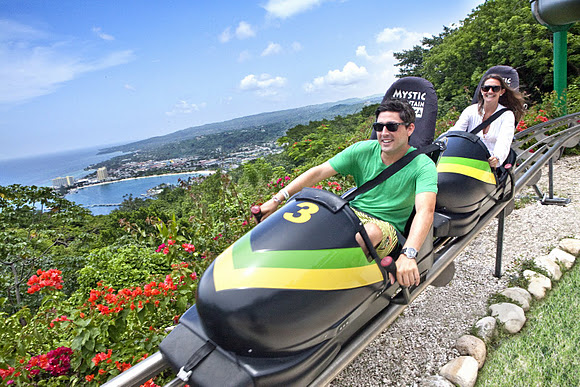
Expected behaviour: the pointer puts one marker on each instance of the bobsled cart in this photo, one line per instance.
(278, 305)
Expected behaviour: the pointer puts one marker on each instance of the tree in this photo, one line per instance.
(33, 222)
(498, 32)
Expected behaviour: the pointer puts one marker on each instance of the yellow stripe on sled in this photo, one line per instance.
(227, 277)
(485, 176)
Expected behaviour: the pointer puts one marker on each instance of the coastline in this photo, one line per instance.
(204, 172)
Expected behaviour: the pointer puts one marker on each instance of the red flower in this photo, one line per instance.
(90, 377)
(102, 356)
(188, 248)
(50, 279)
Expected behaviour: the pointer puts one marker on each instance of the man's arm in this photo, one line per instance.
(407, 271)
(307, 179)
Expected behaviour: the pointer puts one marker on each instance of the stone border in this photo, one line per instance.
(463, 370)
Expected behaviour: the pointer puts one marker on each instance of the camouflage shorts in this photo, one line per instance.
(389, 240)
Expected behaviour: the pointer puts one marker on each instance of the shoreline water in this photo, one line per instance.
(204, 172)
(104, 197)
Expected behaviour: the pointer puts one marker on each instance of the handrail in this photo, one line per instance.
(529, 162)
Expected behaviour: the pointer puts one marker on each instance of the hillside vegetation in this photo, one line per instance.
(85, 297)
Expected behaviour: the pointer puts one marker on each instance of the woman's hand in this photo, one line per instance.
(493, 162)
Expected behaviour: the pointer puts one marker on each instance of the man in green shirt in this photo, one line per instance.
(388, 205)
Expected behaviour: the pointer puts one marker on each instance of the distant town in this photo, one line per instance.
(132, 169)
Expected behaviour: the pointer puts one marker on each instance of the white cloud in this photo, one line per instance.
(390, 35)
(129, 87)
(272, 49)
(283, 9)
(400, 38)
(296, 46)
(244, 31)
(15, 31)
(35, 64)
(226, 35)
(102, 35)
(350, 74)
(29, 72)
(362, 52)
(184, 107)
(264, 85)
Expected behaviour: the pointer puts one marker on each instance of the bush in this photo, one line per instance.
(120, 266)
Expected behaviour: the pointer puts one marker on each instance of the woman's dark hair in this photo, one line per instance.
(405, 110)
(512, 99)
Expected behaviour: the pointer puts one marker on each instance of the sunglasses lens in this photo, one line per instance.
(495, 88)
(391, 126)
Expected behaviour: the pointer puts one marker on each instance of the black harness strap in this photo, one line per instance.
(489, 120)
(197, 357)
(390, 171)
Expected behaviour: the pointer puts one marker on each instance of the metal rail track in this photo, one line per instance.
(535, 147)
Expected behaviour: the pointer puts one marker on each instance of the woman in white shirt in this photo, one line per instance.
(498, 135)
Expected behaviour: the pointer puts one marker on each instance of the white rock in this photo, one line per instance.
(538, 284)
(550, 265)
(486, 328)
(511, 315)
(519, 295)
(472, 346)
(570, 245)
(461, 371)
(563, 257)
(436, 381)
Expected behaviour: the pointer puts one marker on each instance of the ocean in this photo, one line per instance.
(99, 199)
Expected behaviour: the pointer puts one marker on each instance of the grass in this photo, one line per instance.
(547, 351)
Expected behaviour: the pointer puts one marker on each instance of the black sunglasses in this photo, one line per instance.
(391, 126)
(495, 88)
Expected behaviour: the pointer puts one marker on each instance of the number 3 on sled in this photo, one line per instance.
(303, 215)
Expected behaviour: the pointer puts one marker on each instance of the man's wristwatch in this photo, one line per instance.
(410, 252)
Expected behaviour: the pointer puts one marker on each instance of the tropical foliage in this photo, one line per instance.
(497, 32)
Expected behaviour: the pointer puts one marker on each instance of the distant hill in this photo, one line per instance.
(282, 120)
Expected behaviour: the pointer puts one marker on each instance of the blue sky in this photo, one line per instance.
(76, 74)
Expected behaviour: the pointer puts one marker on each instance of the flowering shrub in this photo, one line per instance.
(445, 123)
(50, 279)
(103, 336)
(55, 362)
(532, 117)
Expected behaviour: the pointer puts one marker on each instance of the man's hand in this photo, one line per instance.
(268, 208)
(407, 271)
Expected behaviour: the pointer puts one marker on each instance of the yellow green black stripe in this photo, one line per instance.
(332, 269)
(476, 169)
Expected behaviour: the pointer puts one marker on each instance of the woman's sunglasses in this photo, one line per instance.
(391, 126)
(495, 88)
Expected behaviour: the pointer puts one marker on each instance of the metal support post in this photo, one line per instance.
(499, 243)
(550, 199)
(560, 65)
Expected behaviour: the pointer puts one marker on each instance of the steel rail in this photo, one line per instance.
(530, 165)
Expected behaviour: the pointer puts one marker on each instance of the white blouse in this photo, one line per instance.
(501, 131)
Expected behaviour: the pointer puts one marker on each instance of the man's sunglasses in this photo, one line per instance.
(391, 126)
(495, 88)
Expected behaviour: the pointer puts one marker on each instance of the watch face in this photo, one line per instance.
(410, 252)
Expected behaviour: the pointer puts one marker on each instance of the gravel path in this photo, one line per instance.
(422, 339)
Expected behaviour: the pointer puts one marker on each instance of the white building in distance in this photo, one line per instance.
(102, 174)
(63, 181)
